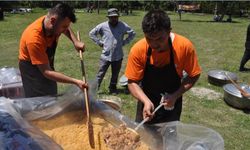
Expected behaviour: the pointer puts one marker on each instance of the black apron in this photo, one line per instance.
(34, 82)
(159, 80)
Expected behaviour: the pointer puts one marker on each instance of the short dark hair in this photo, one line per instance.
(156, 20)
(63, 10)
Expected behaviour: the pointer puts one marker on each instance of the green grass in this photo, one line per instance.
(219, 46)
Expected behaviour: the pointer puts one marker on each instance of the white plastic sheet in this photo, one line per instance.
(180, 136)
(17, 133)
(9, 75)
(177, 136)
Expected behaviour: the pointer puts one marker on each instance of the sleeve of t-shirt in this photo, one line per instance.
(191, 65)
(135, 65)
(131, 34)
(37, 52)
(93, 34)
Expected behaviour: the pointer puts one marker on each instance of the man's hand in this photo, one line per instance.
(101, 45)
(148, 109)
(168, 101)
(81, 84)
(79, 46)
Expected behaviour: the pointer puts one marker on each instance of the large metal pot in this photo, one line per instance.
(218, 77)
(113, 101)
(233, 97)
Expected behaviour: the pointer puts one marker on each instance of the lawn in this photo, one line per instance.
(219, 46)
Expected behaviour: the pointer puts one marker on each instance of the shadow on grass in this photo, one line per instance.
(244, 110)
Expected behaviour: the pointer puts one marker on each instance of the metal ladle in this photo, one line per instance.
(146, 119)
(137, 136)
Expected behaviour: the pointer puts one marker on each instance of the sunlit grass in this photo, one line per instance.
(219, 46)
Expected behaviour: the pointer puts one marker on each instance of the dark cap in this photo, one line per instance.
(113, 12)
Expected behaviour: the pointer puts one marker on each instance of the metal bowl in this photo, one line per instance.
(123, 81)
(113, 101)
(218, 77)
(233, 97)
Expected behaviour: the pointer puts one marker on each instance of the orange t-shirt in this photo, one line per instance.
(185, 58)
(34, 43)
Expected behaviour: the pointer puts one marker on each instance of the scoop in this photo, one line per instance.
(137, 136)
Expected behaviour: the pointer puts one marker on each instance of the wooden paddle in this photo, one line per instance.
(89, 122)
(242, 91)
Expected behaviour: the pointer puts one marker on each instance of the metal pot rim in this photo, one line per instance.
(220, 74)
(231, 89)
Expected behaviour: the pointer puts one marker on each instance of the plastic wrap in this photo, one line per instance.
(176, 136)
(47, 107)
(17, 133)
(9, 75)
(11, 83)
(180, 136)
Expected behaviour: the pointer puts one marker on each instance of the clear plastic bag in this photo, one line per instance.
(9, 75)
(17, 133)
(47, 107)
(11, 83)
(180, 136)
(176, 136)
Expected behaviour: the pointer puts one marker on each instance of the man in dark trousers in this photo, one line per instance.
(155, 68)
(246, 55)
(37, 50)
(112, 38)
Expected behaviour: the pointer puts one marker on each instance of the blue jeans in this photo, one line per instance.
(115, 69)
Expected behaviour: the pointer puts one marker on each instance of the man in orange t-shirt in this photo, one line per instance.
(155, 70)
(37, 49)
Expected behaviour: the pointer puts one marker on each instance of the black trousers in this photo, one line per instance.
(115, 69)
(245, 58)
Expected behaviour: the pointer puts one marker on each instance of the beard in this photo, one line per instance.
(53, 32)
(113, 23)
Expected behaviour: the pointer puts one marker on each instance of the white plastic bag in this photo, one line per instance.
(180, 136)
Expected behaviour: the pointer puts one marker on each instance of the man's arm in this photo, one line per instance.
(78, 44)
(59, 77)
(93, 35)
(138, 93)
(187, 83)
(131, 34)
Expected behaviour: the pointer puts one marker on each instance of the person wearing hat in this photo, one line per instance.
(155, 69)
(111, 40)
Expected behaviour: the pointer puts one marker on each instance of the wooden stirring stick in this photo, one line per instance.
(242, 91)
(89, 122)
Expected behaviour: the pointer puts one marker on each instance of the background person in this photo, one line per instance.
(155, 66)
(246, 55)
(112, 39)
(37, 50)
